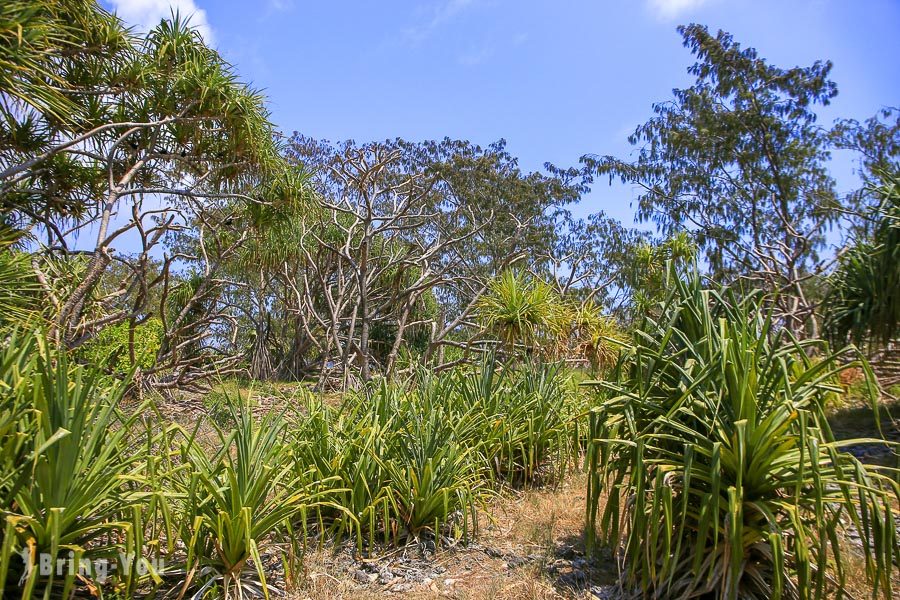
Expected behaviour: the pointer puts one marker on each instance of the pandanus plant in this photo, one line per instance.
(235, 495)
(520, 312)
(72, 472)
(721, 476)
(863, 302)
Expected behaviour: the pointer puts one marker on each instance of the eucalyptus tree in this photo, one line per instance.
(738, 159)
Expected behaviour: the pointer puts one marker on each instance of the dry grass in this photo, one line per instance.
(538, 520)
(524, 534)
(539, 526)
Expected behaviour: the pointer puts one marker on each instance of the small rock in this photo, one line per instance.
(573, 579)
(362, 577)
(449, 582)
(385, 576)
(513, 561)
(557, 565)
(402, 587)
(603, 592)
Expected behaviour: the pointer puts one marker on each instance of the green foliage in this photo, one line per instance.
(112, 348)
(70, 465)
(81, 479)
(96, 116)
(47, 51)
(520, 311)
(232, 498)
(528, 316)
(395, 462)
(526, 418)
(197, 113)
(876, 142)
(738, 160)
(647, 271)
(20, 292)
(863, 304)
(721, 474)
(586, 333)
(417, 461)
(489, 182)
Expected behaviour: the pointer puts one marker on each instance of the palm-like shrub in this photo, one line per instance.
(17, 362)
(415, 461)
(340, 445)
(863, 304)
(71, 468)
(233, 498)
(520, 311)
(592, 336)
(721, 476)
(19, 287)
(433, 474)
(522, 418)
(400, 464)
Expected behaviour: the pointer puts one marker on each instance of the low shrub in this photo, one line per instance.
(82, 479)
(112, 348)
(71, 468)
(233, 497)
(721, 476)
(418, 459)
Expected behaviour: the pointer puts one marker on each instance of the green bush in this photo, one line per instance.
(401, 467)
(233, 497)
(110, 349)
(419, 459)
(722, 477)
(393, 463)
(72, 471)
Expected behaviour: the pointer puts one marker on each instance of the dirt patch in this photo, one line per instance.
(530, 546)
(857, 421)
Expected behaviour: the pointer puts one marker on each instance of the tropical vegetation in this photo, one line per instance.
(379, 340)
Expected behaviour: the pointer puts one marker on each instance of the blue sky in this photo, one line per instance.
(557, 79)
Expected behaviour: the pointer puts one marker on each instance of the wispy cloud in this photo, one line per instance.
(146, 14)
(669, 9)
(439, 14)
(281, 5)
(476, 55)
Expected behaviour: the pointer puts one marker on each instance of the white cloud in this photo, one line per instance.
(669, 9)
(439, 14)
(280, 5)
(146, 14)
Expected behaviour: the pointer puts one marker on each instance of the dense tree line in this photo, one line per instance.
(153, 218)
